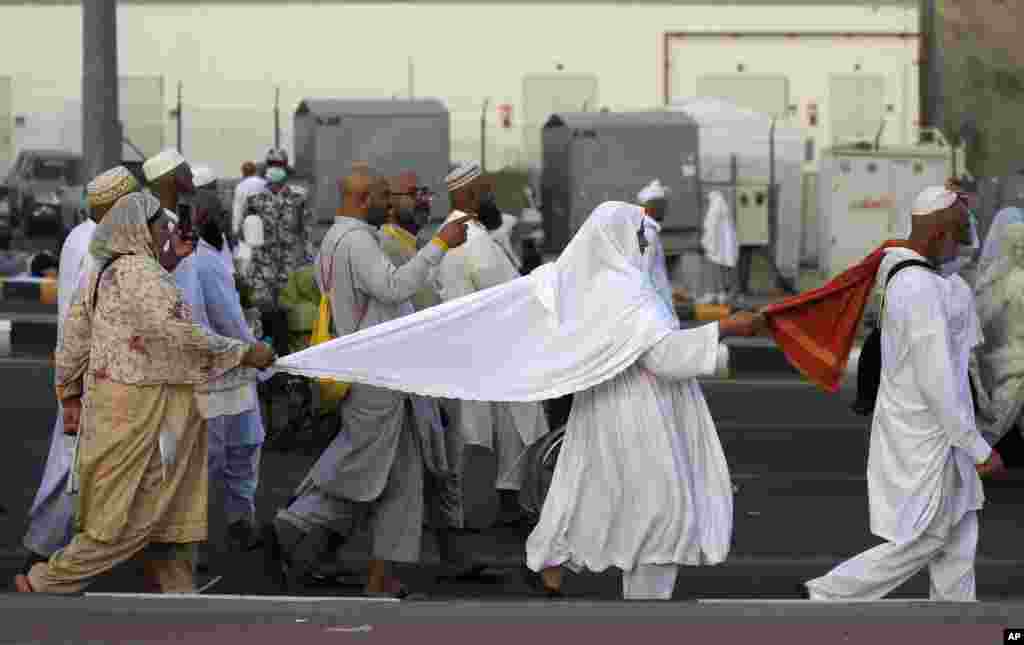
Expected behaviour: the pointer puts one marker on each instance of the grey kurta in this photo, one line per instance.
(365, 289)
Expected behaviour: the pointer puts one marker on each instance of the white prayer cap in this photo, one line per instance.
(932, 200)
(203, 176)
(110, 186)
(162, 164)
(463, 175)
(654, 190)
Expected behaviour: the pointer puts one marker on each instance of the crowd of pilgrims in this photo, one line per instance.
(448, 345)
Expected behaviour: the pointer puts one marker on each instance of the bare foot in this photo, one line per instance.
(22, 584)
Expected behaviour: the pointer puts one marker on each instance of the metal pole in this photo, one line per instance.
(931, 78)
(277, 118)
(181, 117)
(483, 135)
(412, 80)
(101, 129)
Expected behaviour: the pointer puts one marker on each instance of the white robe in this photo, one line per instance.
(507, 428)
(641, 477)
(51, 512)
(719, 239)
(921, 428)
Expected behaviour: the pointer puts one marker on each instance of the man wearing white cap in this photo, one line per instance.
(654, 199)
(926, 452)
(505, 430)
(169, 177)
(50, 518)
(209, 214)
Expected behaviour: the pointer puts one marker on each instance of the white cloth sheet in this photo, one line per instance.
(566, 327)
(507, 428)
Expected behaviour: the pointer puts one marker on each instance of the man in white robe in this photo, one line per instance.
(51, 515)
(926, 451)
(373, 467)
(654, 199)
(505, 429)
(205, 182)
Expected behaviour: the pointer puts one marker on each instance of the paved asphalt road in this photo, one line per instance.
(797, 456)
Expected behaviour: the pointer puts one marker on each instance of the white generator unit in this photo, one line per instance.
(865, 196)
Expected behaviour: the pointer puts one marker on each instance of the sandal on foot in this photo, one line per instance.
(273, 558)
(536, 582)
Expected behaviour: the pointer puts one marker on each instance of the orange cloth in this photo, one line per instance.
(816, 329)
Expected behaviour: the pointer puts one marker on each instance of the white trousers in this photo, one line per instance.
(877, 572)
(649, 582)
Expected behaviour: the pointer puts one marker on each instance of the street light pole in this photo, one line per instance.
(101, 124)
(277, 118)
(180, 118)
(931, 69)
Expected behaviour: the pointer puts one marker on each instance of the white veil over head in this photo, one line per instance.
(991, 250)
(992, 289)
(566, 327)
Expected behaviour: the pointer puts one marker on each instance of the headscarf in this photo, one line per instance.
(993, 289)
(566, 327)
(125, 229)
(991, 249)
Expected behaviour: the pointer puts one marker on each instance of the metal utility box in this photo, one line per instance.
(590, 158)
(753, 223)
(865, 197)
(390, 135)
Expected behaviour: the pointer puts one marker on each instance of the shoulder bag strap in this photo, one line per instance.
(900, 266)
(96, 287)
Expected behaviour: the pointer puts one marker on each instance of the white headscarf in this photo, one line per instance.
(996, 232)
(993, 288)
(566, 327)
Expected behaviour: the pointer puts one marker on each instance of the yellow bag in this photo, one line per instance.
(331, 392)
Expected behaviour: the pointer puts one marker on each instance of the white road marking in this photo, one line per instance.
(285, 599)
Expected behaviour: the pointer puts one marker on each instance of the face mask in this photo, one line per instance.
(276, 175)
(489, 213)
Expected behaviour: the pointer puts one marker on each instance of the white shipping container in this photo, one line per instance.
(864, 198)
